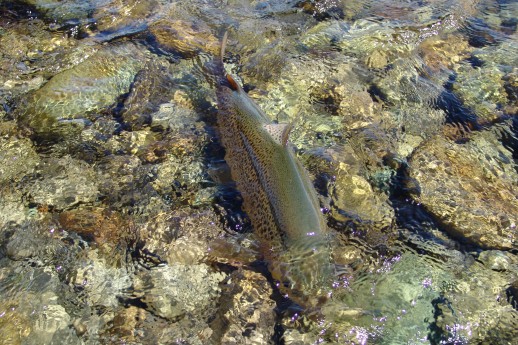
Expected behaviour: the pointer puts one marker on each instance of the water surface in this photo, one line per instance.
(119, 222)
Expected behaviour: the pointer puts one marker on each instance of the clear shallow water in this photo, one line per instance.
(118, 219)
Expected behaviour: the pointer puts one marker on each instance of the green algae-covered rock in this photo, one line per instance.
(91, 86)
(470, 188)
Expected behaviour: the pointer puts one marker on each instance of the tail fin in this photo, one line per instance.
(214, 69)
(223, 46)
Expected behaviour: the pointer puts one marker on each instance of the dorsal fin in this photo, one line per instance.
(280, 132)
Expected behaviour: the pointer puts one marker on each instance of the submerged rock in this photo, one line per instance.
(185, 38)
(31, 53)
(183, 236)
(470, 188)
(481, 90)
(472, 307)
(61, 11)
(131, 190)
(13, 209)
(246, 315)
(64, 183)
(152, 87)
(17, 159)
(101, 278)
(101, 226)
(440, 52)
(352, 195)
(177, 291)
(92, 86)
(118, 18)
(30, 308)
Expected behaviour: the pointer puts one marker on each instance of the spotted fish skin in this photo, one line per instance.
(278, 195)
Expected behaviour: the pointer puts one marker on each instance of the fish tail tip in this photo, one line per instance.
(223, 45)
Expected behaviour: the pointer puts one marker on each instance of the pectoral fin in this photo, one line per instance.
(280, 132)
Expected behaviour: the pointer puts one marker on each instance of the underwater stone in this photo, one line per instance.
(482, 90)
(17, 159)
(63, 10)
(118, 18)
(511, 87)
(354, 198)
(104, 227)
(12, 208)
(175, 291)
(185, 38)
(496, 260)
(443, 52)
(152, 86)
(470, 188)
(66, 183)
(91, 86)
(247, 309)
(476, 305)
(30, 302)
(50, 322)
(126, 184)
(172, 116)
(102, 280)
(182, 236)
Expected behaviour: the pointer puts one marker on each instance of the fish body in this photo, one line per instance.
(278, 195)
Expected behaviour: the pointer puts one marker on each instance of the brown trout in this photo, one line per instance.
(278, 195)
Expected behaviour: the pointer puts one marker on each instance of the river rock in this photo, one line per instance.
(482, 90)
(12, 208)
(185, 38)
(102, 280)
(470, 188)
(152, 86)
(30, 53)
(117, 18)
(177, 291)
(93, 85)
(66, 182)
(247, 314)
(353, 197)
(17, 159)
(183, 236)
(30, 308)
(473, 306)
(62, 10)
(444, 51)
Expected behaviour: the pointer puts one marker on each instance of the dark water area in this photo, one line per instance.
(119, 219)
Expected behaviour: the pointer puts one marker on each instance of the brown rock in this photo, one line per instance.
(184, 38)
(247, 314)
(470, 188)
